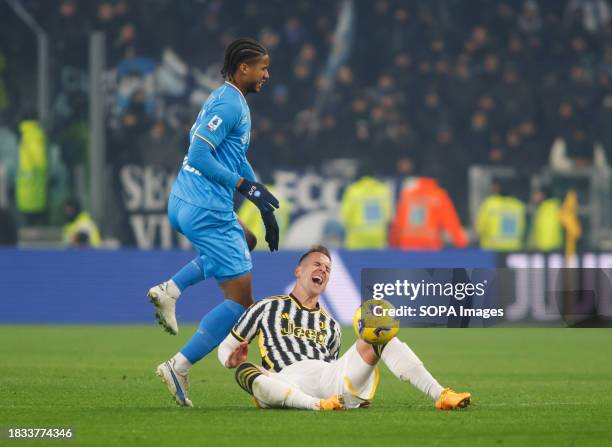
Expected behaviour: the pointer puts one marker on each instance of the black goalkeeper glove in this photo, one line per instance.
(271, 230)
(259, 195)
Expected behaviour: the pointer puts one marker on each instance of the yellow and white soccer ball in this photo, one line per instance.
(372, 323)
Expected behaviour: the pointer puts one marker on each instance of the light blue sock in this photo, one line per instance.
(192, 273)
(214, 327)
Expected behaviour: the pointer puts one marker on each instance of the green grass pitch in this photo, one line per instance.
(544, 387)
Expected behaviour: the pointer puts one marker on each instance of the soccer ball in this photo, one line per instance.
(374, 328)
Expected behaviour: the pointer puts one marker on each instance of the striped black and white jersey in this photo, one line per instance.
(289, 332)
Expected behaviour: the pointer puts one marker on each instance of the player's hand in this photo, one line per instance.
(259, 195)
(238, 356)
(271, 230)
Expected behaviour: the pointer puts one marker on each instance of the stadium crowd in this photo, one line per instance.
(428, 85)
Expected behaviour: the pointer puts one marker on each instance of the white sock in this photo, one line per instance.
(359, 374)
(275, 393)
(407, 367)
(180, 364)
(173, 289)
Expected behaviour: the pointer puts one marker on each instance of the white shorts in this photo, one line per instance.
(348, 376)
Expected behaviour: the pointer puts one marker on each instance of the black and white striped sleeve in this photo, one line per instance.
(248, 324)
(336, 340)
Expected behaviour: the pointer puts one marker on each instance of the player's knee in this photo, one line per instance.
(244, 301)
(245, 375)
(367, 352)
(238, 290)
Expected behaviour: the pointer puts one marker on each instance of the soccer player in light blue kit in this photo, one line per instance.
(201, 207)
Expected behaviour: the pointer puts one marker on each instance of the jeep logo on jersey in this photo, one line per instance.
(290, 329)
(214, 123)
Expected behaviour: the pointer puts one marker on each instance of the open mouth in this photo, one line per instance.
(318, 280)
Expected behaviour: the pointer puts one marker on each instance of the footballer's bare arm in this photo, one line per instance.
(232, 352)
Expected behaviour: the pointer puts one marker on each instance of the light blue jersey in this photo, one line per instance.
(224, 123)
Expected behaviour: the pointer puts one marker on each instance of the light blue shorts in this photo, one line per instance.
(216, 235)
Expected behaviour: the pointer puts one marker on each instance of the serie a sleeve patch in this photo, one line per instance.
(214, 123)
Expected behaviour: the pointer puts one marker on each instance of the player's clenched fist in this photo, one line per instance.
(259, 195)
(238, 355)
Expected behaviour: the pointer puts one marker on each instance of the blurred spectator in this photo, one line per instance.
(74, 141)
(431, 115)
(572, 146)
(31, 182)
(590, 15)
(575, 152)
(136, 84)
(477, 137)
(105, 18)
(514, 97)
(80, 231)
(529, 20)
(159, 148)
(366, 213)
(500, 223)
(69, 28)
(546, 233)
(423, 213)
(464, 87)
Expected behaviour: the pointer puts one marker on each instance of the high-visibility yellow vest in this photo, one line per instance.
(31, 182)
(501, 223)
(546, 231)
(365, 213)
(83, 223)
(250, 215)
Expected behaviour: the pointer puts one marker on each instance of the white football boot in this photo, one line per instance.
(165, 305)
(177, 384)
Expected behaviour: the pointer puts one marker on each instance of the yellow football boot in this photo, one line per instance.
(451, 400)
(335, 402)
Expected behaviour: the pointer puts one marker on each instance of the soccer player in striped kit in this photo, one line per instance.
(300, 342)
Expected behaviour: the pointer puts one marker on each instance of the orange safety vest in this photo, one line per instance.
(423, 211)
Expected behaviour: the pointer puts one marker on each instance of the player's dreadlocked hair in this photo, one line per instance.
(239, 51)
